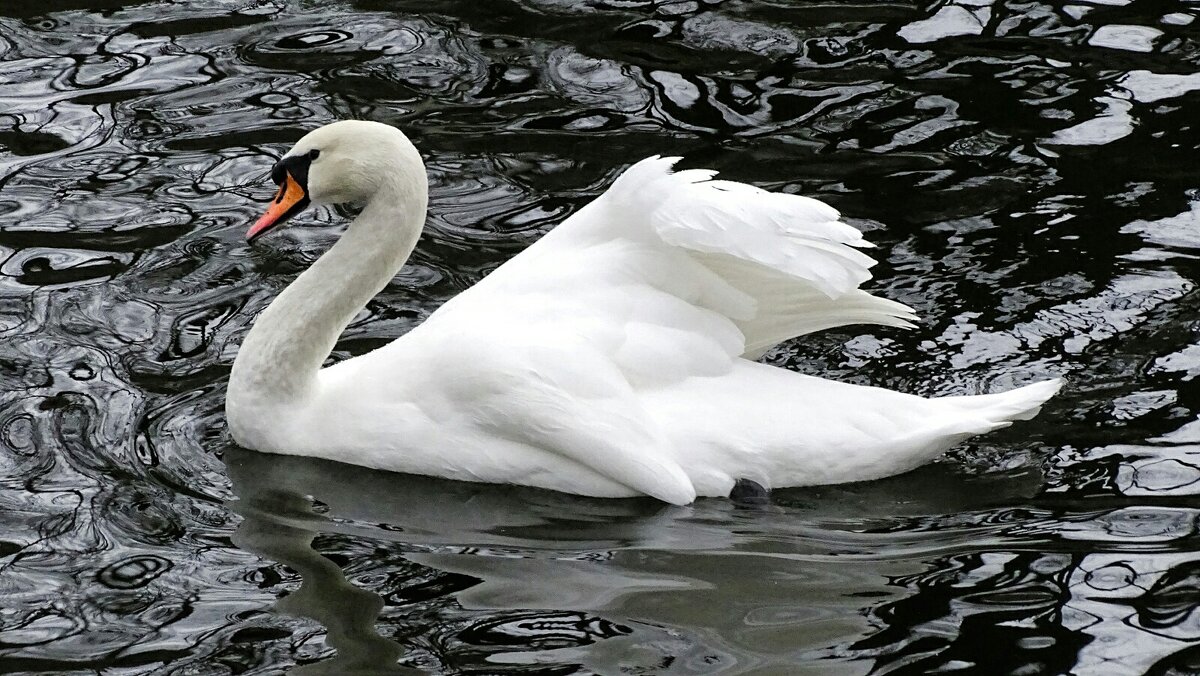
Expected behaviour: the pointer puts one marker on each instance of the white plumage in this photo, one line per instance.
(611, 358)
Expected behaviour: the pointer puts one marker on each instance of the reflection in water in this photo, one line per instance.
(657, 578)
(634, 584)
(280, 525)
(1026, 168)
(276, 496)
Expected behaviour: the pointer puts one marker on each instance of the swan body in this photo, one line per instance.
(612, 358)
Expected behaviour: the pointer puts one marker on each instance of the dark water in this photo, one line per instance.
(1029, 170)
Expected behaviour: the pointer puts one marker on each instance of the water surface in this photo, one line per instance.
(1028, 170)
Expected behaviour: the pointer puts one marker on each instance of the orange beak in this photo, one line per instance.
(289, 201)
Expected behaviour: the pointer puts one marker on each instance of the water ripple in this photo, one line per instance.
(1025, 169)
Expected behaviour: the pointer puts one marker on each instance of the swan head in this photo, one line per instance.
(347, 161)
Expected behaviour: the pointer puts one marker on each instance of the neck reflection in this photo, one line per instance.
(280, 524)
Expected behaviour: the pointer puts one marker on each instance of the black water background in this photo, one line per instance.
(1028, 170)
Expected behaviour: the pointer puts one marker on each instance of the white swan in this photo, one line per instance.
(612, 358)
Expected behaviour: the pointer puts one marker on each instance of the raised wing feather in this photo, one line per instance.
(796, 236)
(790, 255)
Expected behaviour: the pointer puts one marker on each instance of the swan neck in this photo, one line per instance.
(281, 356)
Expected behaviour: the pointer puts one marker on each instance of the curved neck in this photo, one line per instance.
(280, 357)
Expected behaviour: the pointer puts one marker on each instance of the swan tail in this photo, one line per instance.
(973, 415)
(1002, 408)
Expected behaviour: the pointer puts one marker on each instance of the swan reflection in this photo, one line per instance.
(440, 524)
(621, 585)
(610, 584)
(280, 524)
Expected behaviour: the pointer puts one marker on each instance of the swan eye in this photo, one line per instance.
(314, 154)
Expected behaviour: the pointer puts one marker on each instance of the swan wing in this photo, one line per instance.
(666, 277)
(692, 271)
(566, 399)
(798, 263)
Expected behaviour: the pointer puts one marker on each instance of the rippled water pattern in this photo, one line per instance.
(1028, 169)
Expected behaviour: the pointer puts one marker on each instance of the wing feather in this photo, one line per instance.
(790, 255)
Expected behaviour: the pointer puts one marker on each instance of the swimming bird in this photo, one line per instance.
(614, 357)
